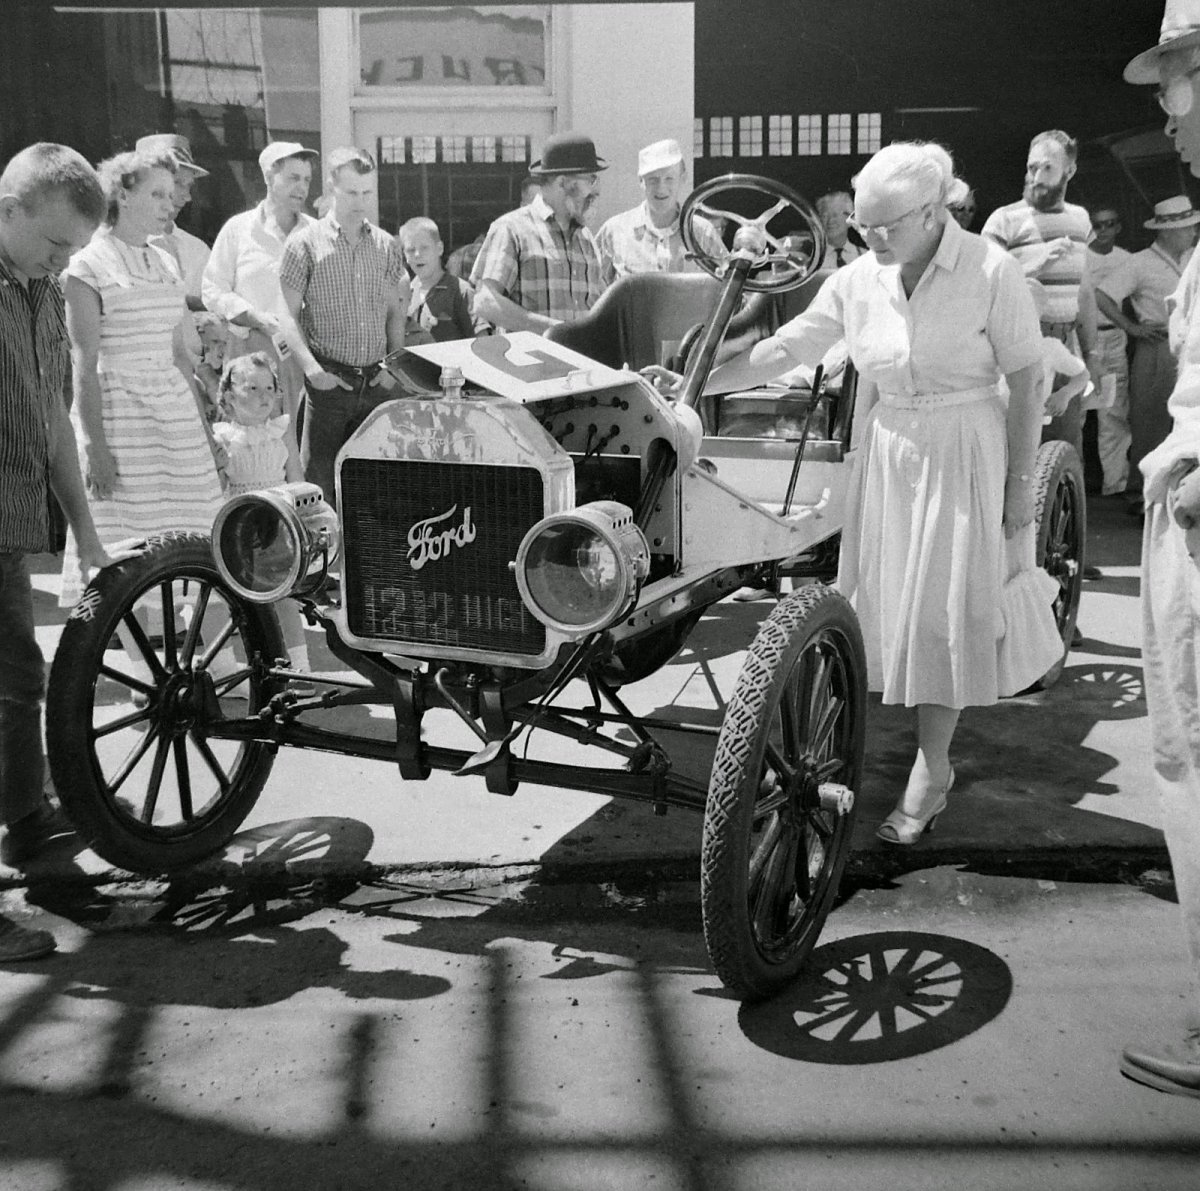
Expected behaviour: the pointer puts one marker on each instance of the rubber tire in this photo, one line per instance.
(1058, 464)
(106, 828)
(810, 612)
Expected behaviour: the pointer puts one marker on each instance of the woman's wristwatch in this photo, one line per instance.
(1023, 476)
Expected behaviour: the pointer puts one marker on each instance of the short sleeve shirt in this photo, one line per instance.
(1147, 279)
(1024, 230)
(630, 243)
(969, 321)
(346, 284)
(539, 266)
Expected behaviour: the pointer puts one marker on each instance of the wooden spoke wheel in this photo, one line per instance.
(780, 807)
(1061, 514)
(156, 650)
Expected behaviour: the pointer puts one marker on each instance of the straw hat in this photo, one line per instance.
(1176, 211)
(1180, 31)
(176, 146)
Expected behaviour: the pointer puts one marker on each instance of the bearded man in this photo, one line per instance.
(540, 264)
(1049, 238)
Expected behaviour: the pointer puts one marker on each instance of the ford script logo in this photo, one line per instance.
(432, 538)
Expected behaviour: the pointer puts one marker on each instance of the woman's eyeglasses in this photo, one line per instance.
(881, 230)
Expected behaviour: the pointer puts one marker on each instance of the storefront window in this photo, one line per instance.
(227, 79)
(504, 46)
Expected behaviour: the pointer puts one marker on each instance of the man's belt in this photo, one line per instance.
(358, 372)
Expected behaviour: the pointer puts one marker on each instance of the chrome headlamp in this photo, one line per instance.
(580, 571)
(275, 542)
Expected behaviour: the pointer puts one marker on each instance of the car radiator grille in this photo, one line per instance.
(461, 593)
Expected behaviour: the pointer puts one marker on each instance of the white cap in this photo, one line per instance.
(278, 150)
(659, 156)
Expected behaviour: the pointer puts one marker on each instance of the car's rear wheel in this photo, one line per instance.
(1061, 514)
(157, 650)
(780, 807)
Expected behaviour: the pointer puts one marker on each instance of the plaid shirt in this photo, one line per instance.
(539, 267)
(346, 288)
(33, 364)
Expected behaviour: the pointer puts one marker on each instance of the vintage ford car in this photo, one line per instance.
(524, 532)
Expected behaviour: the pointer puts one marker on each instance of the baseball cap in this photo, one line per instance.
(659, 156)
(278, 150)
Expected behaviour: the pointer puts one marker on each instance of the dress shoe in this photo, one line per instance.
(19, 943)
(904, 829)
(748, 595)
(1173, 1067)
(30, 834)
(1091, 574)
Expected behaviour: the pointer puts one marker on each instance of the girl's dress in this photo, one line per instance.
(257, 455)
(166, 476)
(952, 613)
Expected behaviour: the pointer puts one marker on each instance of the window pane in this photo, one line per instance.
(779, 136)
(720, 136)
(503, 46)
(868, 132)
(839, 133)
(750, 136)
(808, 136)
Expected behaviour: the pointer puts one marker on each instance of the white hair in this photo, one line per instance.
(922, 168)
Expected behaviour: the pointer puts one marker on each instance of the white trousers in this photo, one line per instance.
(1113, 438)
(1171, 656)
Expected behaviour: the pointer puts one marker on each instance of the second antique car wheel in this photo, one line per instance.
(1061, 519)
(780, 808)
(156, 651)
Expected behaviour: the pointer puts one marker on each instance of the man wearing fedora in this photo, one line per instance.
(241, 279)
(540, 264)
(1170, 556)
(646, 238)
(1147, 279)
(190, 252)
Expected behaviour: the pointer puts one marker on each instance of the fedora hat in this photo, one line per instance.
(176, 146)
(1180, 31)
(568, 153)
(1176, 211)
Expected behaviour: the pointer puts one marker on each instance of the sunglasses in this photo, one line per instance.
(1106, 223)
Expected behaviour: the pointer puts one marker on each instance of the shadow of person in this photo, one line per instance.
(879, 997)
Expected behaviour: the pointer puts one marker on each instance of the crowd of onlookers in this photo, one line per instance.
(199, 374)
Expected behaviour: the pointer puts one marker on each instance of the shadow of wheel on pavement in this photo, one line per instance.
(879, 997)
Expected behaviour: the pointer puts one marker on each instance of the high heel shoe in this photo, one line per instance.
(904, 829)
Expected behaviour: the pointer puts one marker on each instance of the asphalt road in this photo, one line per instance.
(955, 1031)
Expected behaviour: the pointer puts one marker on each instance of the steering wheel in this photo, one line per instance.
(789, 258)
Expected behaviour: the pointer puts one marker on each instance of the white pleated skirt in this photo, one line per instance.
(952, 613)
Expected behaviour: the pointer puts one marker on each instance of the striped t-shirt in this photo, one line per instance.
(1023, 230)
(33, 363)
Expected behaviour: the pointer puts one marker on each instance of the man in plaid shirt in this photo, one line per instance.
(540, 264)
(347, 293)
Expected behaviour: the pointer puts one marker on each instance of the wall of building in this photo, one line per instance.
(978, 75)
(631, 81)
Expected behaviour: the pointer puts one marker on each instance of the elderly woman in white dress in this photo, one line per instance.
(937, 550)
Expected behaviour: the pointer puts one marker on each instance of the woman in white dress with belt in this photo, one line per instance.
(937, 549)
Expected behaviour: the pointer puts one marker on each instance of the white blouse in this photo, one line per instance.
(969, 321)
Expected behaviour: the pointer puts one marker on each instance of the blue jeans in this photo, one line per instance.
(330, 417)
(22, 688)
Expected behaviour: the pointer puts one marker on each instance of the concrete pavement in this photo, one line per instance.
(1057, 781)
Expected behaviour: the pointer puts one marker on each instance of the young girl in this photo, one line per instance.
(260, 451)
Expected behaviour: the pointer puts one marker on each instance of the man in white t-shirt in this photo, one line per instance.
(241, 280)
(1112, 422)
